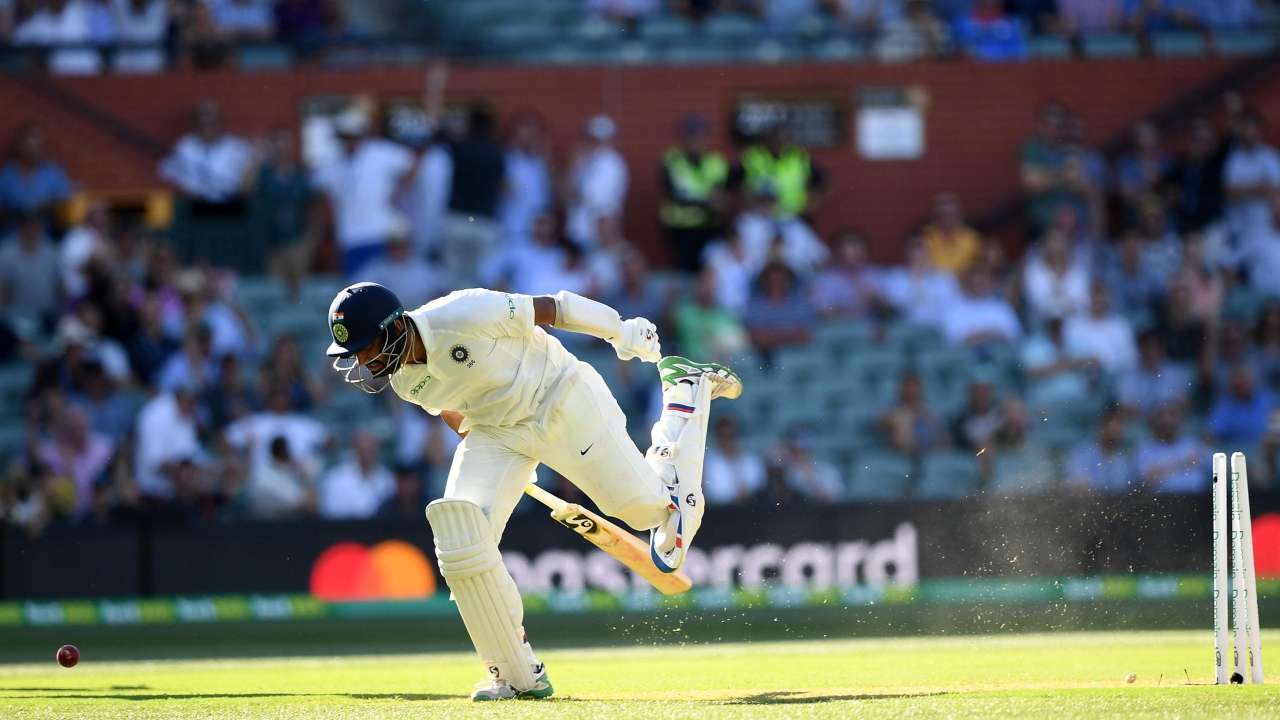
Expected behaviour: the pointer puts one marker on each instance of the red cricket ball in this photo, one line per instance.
(68, 656)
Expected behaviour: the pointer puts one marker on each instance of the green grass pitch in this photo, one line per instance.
(1009, 676)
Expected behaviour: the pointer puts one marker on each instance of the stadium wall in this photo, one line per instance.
(111, 130)
(832, 549)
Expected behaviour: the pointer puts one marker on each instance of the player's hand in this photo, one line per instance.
(639, 339)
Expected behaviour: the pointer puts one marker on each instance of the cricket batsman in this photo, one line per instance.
(481, 361)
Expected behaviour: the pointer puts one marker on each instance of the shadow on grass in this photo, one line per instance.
(79, 694)
(795, 697)
(74, 689)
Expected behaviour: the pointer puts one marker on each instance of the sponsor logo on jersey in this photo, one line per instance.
(418, 388)
(511, 308)
(459, 353)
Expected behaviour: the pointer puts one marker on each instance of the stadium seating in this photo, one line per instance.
(947, 476)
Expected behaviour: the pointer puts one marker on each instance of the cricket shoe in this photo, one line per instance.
(725, 383)
(677, 455)
(499, 689)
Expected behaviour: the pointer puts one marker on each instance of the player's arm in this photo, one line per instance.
(453, 419)
(634, 338)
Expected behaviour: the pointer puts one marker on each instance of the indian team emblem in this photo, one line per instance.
(340, 332)
(459, 353)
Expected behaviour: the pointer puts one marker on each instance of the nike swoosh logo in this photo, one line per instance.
(584, 452)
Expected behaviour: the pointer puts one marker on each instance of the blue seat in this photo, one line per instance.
(948, 476)
(1025, 471)
(264, 57)
(662, 31)
(730, 30)
(875, 476)
(1110, 46)
(1178, 44)
(1244, 43)
(516, 37)
(1048, 47)
(839, 50)
(596, 32)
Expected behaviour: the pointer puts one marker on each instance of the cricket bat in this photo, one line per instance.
(618, 543)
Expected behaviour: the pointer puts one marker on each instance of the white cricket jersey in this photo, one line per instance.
(485, 359)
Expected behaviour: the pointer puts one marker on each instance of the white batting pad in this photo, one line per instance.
(482, 588)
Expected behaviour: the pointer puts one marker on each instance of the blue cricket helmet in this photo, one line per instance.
(359, 316)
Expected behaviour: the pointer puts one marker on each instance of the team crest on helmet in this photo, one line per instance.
(340, 332)
(459, 353)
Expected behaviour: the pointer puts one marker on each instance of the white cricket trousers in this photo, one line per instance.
(583, 436)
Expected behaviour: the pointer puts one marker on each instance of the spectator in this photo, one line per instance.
(693, 182)
(530, 189)
(1056, 284)
(910, 426)
(1185, 330)
(920, 34)
(763, 237)
(233, 397)
(1155, 382)
(783, 169)
(428, 200)
(1150, 16)
(1091, 17)
(1194, 182)
(1259, 253)
(1140, 170)
(208, 164)
(1162, 248)
(84, 244)
(1233, 348)
(979, 317)
(1040, 17)
(405, 273)
(284, 371)
(111, 413)
(628, 12)
(847, 286)
(167, 438)
(988, 34)
(982, 418)
(597, 182)
(778, 314)
(30, 183)
(1266, 338)
(1051, 174)
(150, 347)
(634, 295)
(356, 489)
(1251, 175)
(1019, 466)
(1105, 464)
(30, 281)
(918, 292)
(951, 245)
(866, 19)
(74, 23)
(470, 235)
(285, 208)
(1102, 335)
(307, 23)
(805, 475)
(77, 452)
(195, 367)
(279, 486)
(546, 266)
(734, 268)
(1136, 290)
(243, 20)
(1170, 460)
(306, 437)
(1058, 374)
(706, 330)
(142, 26)
(732, 475)
(201, 43)
(363, 183)
(1225, 14)
(1240, 415)
(206, 301)
(409, 497)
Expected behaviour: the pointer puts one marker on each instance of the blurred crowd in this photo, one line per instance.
(91, 36)
(86, 37)
(1149, 279)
